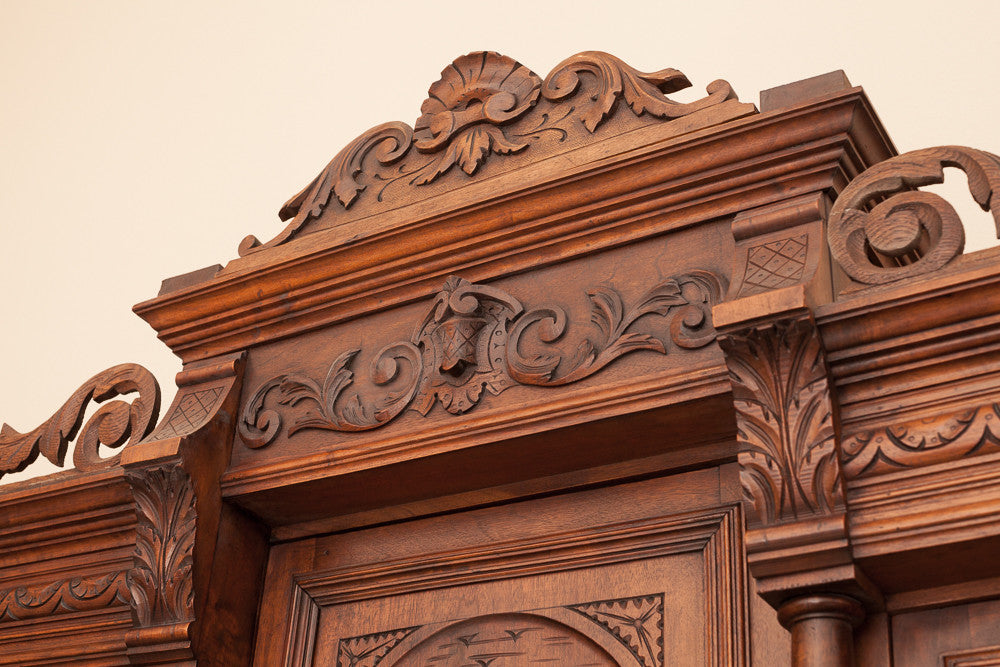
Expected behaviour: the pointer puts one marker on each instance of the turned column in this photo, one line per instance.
(822, 628)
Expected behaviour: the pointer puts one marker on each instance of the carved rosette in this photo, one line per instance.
(471, 340)
(785, 421)
(882, 229)
(485, 104)
(113, 424)
(160, 582)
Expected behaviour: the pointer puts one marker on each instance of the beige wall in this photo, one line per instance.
(140, 140)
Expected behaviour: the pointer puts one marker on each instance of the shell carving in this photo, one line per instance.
(463, 111)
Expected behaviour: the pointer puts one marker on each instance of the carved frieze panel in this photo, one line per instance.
(923, 441)
(785, 421)
(63, 596)
(882, 229)
(486, 106)
(476, 339)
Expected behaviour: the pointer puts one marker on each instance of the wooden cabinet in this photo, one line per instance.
(567, 372)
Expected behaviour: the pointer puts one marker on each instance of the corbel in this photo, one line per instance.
(797, 540)
(173, 475)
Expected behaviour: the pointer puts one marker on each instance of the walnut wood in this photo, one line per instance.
(565, 371)
(822, 629)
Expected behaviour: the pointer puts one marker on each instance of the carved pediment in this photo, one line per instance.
(484, 110)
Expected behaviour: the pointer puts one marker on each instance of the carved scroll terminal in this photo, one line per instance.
(907, 232)
(471, 341)
(112, 425)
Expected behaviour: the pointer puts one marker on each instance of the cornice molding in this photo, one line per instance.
(338, 273)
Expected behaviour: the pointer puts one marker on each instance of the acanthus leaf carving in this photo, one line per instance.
(922, 442)
(63, 596)
(693, 294)
(644, 93)
(785, 423)
(485, 104)
(907, 232)
(113, 424)
(468, 343)
(161, 580)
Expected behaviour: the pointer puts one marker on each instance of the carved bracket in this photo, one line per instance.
(784, 415)
(882, 229)
(486, 104)
(161, 582)
(476, 337)
(112, 424)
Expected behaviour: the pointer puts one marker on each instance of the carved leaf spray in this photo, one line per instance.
(474, 338)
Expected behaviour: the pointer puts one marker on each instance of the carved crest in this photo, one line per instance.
(161, 580)
(471, 340)
(486, 104)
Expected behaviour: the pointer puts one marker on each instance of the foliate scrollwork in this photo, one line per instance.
(161, 581)
(468, 343)
(922, 442)
(111, 425)
(486, 104)
(387, 143)
(63, 596)
(907, 232)
(692, 294)
(785, 424)
(644, 93)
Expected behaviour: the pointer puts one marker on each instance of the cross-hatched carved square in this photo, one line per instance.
(775, 264)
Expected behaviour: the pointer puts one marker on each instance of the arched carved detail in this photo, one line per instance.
(907, 232)
(112, 425)
(63, 596)
(921, 442)
(470, 341)
(485, 104)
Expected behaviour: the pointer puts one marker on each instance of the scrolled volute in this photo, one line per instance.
(907, 232)
(643, 92)
(111, 425)
(688, 298)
